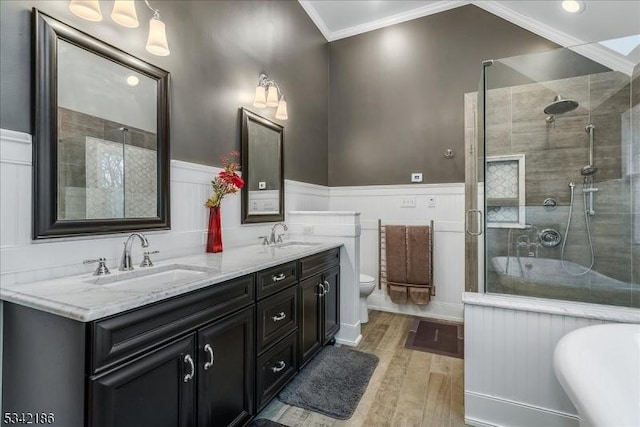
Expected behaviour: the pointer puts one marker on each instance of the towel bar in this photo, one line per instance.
(382, 264)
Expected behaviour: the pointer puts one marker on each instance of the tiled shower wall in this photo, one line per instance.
(555, 153)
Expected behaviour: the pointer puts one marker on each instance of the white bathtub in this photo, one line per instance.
(599, 368)
(551, 271)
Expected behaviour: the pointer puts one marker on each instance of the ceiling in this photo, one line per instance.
(600, 20)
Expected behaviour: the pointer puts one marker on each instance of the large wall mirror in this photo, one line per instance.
(101, 143)
(262, 169)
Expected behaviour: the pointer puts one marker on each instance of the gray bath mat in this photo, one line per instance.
(262, 422)
(332, 383)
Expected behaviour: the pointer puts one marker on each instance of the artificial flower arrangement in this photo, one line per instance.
(227, 181)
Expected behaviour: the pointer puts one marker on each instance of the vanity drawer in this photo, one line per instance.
(275, 368)
(274, 279)
(277, 317)
(317, 263)
(119, 337)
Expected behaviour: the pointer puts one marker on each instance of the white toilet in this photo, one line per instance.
(367, 285)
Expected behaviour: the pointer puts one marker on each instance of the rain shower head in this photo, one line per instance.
(560, 106)
(588, 170)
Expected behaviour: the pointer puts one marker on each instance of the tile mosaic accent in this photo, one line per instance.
(111, 173)
(502, 179)
(503, 214)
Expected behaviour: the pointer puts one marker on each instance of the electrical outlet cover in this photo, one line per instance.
(416, 177)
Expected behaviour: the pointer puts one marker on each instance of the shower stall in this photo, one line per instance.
(552, 147)
(553, 178)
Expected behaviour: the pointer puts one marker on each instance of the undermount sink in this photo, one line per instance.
(292, 245)
(598, 368)
(155, 276)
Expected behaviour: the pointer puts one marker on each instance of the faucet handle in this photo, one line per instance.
(265, 240)
(102, 266)
(280, 238)
(146, 261)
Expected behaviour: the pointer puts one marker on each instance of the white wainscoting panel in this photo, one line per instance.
(509, 378)
(384, 202)
(24, 260)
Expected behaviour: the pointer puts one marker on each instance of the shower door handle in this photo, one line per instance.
(479, 223)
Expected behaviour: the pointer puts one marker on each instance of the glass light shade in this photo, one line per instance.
(124, 13)
(86, 9)
(281, 112)
(260, 100)
(272, 97)
(157, 41)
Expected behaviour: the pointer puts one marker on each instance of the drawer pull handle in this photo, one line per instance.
(324, 291)
(279, 317)
(279, 277)
(279, 367)
(328, 286)
(188, 377)
(209, 350)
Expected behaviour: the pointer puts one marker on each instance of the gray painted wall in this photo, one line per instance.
(396, 94)
(218, 49)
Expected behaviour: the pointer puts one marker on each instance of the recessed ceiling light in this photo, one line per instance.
(573, 6)
(133, 80)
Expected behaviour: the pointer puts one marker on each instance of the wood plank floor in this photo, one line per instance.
(408, 388)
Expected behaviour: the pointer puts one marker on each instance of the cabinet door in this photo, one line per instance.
(226, 360)
(331, 304)
(310, 323)
(157, 390)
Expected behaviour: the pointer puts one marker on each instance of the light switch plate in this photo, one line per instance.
(416, 177)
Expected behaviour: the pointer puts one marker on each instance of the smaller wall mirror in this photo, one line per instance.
(262, 169)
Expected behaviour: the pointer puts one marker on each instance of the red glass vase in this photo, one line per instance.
(214, 233)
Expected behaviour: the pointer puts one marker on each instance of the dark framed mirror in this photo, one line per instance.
(262, 169)
(101, 136)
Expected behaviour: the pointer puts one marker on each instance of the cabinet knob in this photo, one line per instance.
(279, 277)
(279, 366)
(209, 351)
(279, 317)
(188, 377)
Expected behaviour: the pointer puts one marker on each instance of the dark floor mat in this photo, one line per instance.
(262, 422)
(437, 336)
(332, 383)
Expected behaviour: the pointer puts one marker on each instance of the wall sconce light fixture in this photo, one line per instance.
(124, 13)
(268, 94)
(86, 9)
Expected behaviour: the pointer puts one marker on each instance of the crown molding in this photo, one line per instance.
(315, 17)
(593, 51)
(398, 18)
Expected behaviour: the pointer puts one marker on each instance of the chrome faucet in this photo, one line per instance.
(272, 238)
(125, 263)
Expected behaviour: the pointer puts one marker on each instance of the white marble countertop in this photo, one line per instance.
(80, 298)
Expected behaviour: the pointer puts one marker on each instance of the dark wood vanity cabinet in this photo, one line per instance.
(209, 373)
(319, 302)
(330, 304)
(148, 391)
(208, 358)
(226, 371)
